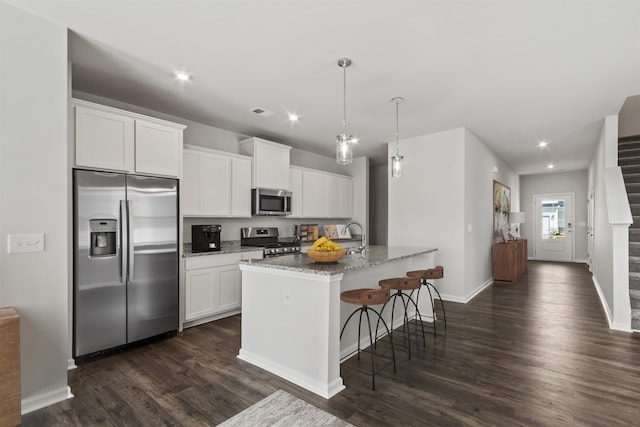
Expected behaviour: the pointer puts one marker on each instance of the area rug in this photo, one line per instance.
(283, 410)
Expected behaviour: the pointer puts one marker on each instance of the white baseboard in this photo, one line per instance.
(469, 296)
(41, 400)
(453, 298)
(616, 326)
(603, 300)
(324, 389)
(479, 289)
(71, 364)
(579, 261)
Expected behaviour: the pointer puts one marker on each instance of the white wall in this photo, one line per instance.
(378, 190)
(426, 203)
(562, 182)
(34, 193)
(601, 244)
(359, 170)
(447, 186)
(479, 163)
(306, 159)
(628, 123)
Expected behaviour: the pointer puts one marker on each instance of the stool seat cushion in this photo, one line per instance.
(365, 296)
(402, 283)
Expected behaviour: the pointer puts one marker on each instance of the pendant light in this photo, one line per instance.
(344, 141)
(397, 160)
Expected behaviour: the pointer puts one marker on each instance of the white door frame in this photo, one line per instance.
(571, 219)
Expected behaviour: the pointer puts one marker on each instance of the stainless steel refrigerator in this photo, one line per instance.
(125, 259)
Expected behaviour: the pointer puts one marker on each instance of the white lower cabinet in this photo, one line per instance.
(213, 288)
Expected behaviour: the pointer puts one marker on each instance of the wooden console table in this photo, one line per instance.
(10, 396)
(509, 260)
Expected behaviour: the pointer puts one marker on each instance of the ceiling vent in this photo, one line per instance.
(262, 112)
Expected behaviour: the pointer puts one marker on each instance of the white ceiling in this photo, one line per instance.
(513, 72)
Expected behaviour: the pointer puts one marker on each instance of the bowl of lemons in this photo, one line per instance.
(325, 250)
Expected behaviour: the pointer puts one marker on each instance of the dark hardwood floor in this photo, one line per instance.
(536, 352)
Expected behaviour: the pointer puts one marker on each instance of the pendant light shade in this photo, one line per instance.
(344, 149)
(344, 141)
(396, 166)
(397, 160)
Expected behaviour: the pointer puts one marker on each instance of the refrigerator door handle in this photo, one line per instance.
(124, 240)
(130, 248)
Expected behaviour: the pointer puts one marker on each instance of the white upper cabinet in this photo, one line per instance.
(270, 163)
(319, 194)
(342, 197)
(295, 182)
(190, 186)
(315, 191)
(103, 139)
(241, 187)
(110, 139)
(215, 183)
(158, 148)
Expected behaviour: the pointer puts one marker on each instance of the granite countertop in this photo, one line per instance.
(226, 247)
(373, 255)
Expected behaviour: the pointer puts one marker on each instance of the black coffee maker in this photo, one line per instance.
(205, 238)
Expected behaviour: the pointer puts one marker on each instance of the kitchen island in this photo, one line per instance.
(292, 313)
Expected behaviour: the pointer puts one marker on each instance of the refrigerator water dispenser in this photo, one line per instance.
(103, 237)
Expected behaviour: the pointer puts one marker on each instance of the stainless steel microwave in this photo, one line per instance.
(267, 201)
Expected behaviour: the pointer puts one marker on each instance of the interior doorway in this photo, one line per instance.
(553, 227)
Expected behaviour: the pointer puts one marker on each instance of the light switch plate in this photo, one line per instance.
(21, 243)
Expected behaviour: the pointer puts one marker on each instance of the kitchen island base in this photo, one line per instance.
(292, 314)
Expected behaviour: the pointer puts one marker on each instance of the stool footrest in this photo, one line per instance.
(350, 360)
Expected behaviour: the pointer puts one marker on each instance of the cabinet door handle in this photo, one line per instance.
(131, 241)
(124, 241)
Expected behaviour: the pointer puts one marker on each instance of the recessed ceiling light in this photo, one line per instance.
(542, 144)
(293, 117)
(550, 166)
(182, 76)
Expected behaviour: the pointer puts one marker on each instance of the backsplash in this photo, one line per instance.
(231, 226)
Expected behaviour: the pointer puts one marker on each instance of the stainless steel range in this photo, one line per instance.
(267, 237)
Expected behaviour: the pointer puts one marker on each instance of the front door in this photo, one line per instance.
(553, 227)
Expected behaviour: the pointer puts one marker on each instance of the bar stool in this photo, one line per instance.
(426, 276)
(399, 285)
(365, 298)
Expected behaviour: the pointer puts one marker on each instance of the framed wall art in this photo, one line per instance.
(501, 209)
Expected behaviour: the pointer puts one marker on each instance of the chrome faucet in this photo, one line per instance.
(363, 237)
